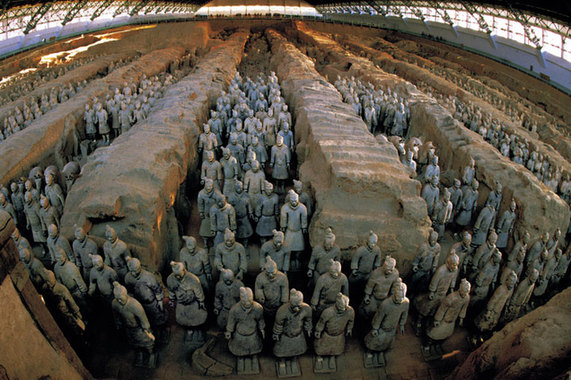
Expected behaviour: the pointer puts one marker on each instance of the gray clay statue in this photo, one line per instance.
(328, 286)
(231, 255)
(186, 291)
(130, 317)
(55, 241)
(277, 250)
(366, 259)
(378, 287)
(292, 324)
(322, 255)
(335, 322)
(245, 332)
(206, 199)
(222, 216)
(196, 261)
(392, 314)
(271, 288)
(267, 212)
(226, 295)
(424, 265)
(101, 279)
(83, 247)
(116, 252)
(293, 222)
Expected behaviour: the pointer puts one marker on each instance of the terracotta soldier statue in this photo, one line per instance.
(468, 204)
(335, 322)
(322, 255)
(254, 180)
(304, 197)
(515, 265)
(452, 308)
(101, 279)
(486, 278)
(520, 297)
(483, 225)
(267, 212)
(68, 275)
(430, 194)
(277, 250)
(48, 214)
(54, 193)
(21, 241)
(227, 294)
(279, 161)
(328, 286)
(240, 200)
(206, 199)
(130, 316)
(392, 313)
(55, 240)
(505, 226)
(463, 249)
(483, 254)
(146, 289)
(488, 319)
(36, 269)
(231, 255)
(101, 117)
(83, 247)
(443, 281)
(378, 287)
(442, 213)
(207, 142)
(222, 216)
(245, 332)
(196, 261)
(62, 305)
(33, 221)
(292, 324)
(8, 207)
(536, 249)
(424, 265)
(366, 259)
(293, 222)
(271, 288)
(211, 169)
(495, 197)
(231, 171)
(185, 289)
(116, 252)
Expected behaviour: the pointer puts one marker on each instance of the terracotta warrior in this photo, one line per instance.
(69, 276)
(240, 200)
(185, 289)
(83, 247)
(292, 324)
(226, 295)
(36, 269)
(196, 261)
(62, 304)
(206, 199)
(231, 255)
(293, 222)
(322, 255)
(392, 313)
(486, 278)
(378, 287)
(222, 217)
(147, 290)
(271, 288)
(452, 308)
(335, 322)
(505, 226)
(520, 297)
(211, 169)
(54, 192)
(279, 161)
(483, 225)
(245, 332)
(488, 319)
(101, 279)
(231, 171)
(48, 214)
(443, 281)
(468, 204)
(277, 250)
(424, 265)
(463, 249)
(328, 286)
(116, 252)
(33, 221)
(130, 316)
(267, 212)
(365, 260)
(55, 240)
